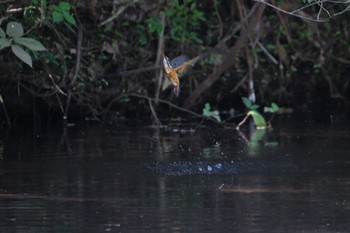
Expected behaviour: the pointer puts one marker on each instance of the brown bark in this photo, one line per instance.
(227, 56)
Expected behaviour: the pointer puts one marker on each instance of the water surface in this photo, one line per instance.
(117, 179)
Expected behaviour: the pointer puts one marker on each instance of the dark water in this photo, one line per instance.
(176, 179)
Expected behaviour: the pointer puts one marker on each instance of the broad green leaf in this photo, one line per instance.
(4, 43)
(30, 43)
(65, 6)
(2, 33)
(254, 107)
(55, 8)
(249, 104)
(258, 119)
(22, 54)
(69, 18)
(14, 29)
(275, 107)
(57, 17)
(246, 102)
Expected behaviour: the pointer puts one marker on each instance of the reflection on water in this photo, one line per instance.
(94, 179)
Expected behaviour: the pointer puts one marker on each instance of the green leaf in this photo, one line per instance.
(246, 102)
(65, 6)
(275, 107)
(216, 115)
(249, 104)
(56, 8)
(208, 113)
(2, 33)
(143, 40)
(69, 18)
(268, 109)
(14, 29)
(258, 119)
(30, 43)
(57, 17)
(22, 54)
(4, 43)
(206, 110)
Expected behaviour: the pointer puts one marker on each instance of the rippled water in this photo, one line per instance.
(144, 179)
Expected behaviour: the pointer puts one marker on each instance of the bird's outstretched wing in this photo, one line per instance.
(178, 61)
(183, 69)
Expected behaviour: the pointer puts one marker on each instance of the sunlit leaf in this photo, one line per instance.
(14, 29)
(258, 119)
(2, 33)
(4, 43)
(30, 43)
(22, 54)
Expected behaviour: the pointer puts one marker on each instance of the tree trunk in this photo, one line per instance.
(227, 60)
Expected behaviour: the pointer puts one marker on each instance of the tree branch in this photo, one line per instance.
(227, 60)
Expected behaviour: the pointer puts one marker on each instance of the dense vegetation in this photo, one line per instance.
(102, 59)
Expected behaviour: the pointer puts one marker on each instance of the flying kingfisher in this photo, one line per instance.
(177, 68)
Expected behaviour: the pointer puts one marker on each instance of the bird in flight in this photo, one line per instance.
(177, 68)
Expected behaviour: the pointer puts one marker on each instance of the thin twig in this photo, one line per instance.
(242, 122)
(76, 72)
(219, 19)
(168, 103)
(113, 17)
(290, 12)
(239, 84)
(60, 91)
(5, 111)
(156, 119)
(268, 54)
(131, 72)
(159, 56)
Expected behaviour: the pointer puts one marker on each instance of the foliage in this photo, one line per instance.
(61, 12)
(249, 104)
(258, 119)
(112, 52)
(16, 40)
(207, 112)
(183, 19)
(273, 109)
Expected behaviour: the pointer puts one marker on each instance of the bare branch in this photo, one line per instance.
(319, 3)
